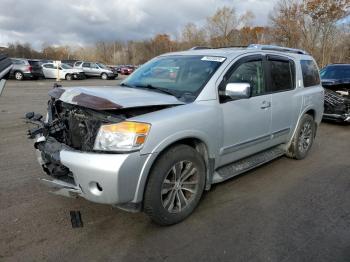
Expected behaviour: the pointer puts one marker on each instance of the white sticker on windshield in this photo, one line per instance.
(213, 58)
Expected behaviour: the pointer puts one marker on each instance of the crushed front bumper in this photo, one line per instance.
(98, 177)
(337, 117)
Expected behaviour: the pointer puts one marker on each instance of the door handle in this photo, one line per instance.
(265, 104)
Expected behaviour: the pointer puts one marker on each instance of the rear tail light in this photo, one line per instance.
(30, 68)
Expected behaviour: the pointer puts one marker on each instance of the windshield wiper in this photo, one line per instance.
(127, 85)
(159, 89)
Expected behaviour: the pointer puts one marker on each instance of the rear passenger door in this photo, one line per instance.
(286, 102)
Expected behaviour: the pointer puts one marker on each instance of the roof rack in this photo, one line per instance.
(258, 47)
(277, 48)
(200, 47)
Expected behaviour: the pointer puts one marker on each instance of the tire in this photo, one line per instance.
(19, 76)
(168, 200)
(68, 77)
(303, 138)
(104, 76)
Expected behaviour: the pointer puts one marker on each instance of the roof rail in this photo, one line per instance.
(277, 48)
(200, 47)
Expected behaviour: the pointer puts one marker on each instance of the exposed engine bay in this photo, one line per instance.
(337, 100)
(74, 127)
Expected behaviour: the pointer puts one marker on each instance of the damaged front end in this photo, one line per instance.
(336, 101)
(65, 146)
(67, 127)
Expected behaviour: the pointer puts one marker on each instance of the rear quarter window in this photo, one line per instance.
(34, 63)
(310, 73)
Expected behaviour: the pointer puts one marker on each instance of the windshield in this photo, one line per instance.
(335, 72)
(65, 66)
(180, 74)
(102, 66)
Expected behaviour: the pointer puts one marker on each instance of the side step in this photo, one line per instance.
(245, 164)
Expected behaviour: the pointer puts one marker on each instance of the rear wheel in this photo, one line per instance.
(175, 185)
(19, 76)
(104, 76)
(303, 139)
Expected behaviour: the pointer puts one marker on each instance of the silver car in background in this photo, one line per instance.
(64, 71)
(95, 69)
(180, 123)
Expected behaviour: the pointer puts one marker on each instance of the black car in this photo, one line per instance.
(26, 69)
(336, 82)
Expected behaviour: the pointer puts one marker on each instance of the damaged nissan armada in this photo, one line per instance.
(180, 123)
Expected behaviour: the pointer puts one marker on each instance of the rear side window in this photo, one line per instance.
(86, 64)
(310, 73)
(34, 63)
(17, 62)
(48, 66)
(281, 75)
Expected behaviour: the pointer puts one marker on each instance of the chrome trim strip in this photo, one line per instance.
(242, 145)
(236, 147)
(281, 132)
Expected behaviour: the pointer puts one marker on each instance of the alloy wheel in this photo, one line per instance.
(305, 137)
(180, 186)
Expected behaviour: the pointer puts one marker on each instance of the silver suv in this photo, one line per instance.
(180, 123)
(92, 69)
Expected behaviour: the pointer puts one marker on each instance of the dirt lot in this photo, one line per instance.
(284, 211)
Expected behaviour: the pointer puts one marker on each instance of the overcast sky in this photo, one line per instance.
(80, 22)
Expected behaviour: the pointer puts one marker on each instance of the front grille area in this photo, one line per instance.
(336, 103)
(78, 127)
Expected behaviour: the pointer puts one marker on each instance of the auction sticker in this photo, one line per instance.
(213, 58)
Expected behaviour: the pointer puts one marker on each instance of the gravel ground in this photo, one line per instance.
(286, 210)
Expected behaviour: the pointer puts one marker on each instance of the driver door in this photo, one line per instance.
(247, 121)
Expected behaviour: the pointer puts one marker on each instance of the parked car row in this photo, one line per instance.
(123, 69)
(72, 69)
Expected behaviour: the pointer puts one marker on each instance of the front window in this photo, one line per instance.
(179, 75)
(250, 72)
(102, 66)
(65, 66)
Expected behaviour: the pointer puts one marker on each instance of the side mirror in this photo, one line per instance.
(238, 90)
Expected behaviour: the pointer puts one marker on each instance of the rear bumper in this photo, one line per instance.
(33, 75)
(337, 117)
(97, 177)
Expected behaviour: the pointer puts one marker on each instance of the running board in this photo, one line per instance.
(245, 164)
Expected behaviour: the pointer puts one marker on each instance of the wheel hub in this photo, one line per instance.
(180, 186)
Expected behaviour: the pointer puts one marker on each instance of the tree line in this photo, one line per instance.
(321, 27)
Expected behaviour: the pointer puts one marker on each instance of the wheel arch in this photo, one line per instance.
(197, 143)
(307, 111)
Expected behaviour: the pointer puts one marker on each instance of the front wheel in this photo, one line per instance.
(68, 77)
(175, 185)
(104, 76)
(303, 138)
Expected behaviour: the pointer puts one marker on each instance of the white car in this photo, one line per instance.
(65, 71)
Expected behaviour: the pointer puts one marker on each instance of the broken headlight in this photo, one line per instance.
(123, 136)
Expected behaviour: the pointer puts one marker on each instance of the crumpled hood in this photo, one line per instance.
(109, 98)
(336, 84)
